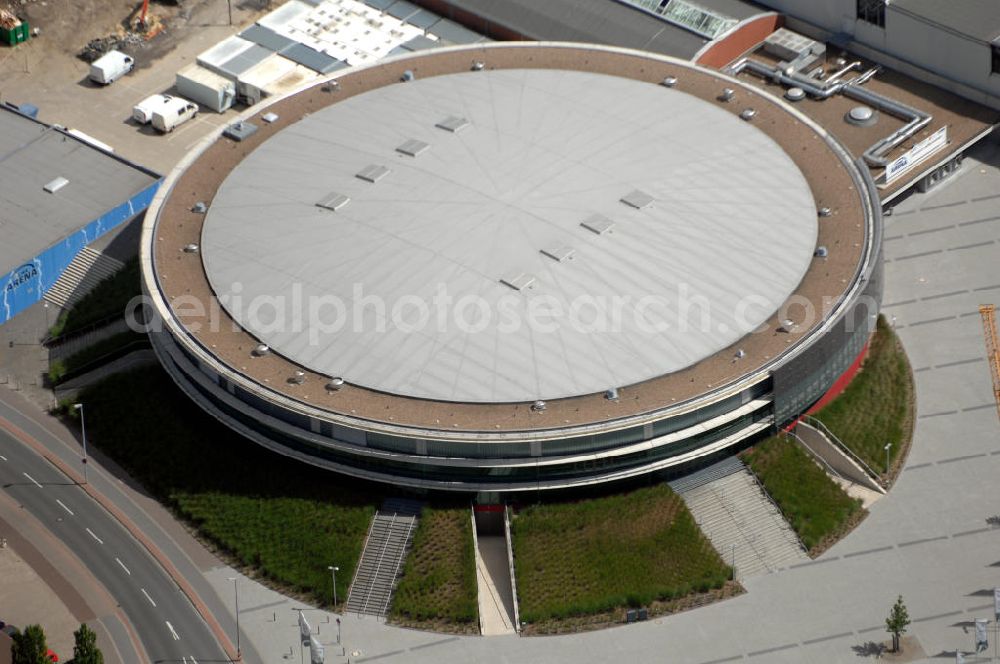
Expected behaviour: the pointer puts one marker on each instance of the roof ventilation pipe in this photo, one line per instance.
(875, 155)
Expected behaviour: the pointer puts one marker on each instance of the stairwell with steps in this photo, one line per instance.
(84, 272)
(739, 519)
(389, 539)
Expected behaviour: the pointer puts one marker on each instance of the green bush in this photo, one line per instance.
(815, 506)
(592, 556)
(284, 518)
(877, 407)
(439, 578)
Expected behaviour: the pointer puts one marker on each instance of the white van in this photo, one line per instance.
(176, 111)
(143, 111)
(110, 67)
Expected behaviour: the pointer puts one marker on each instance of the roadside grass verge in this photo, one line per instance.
(816, 507)
(109, 298)
(60, 370)
(284, 520)
(603, 554)
(877, 407)
(438, 584)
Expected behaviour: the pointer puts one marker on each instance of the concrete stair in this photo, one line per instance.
(88, 269)
(733, 511)
(388, 542)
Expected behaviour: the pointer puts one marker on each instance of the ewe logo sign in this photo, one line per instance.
(917, 154)
(21, 276)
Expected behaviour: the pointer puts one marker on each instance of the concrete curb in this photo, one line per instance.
(133, 530)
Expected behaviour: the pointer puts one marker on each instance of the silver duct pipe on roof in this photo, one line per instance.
(875, 155)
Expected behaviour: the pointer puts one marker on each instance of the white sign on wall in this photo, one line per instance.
(916, 154)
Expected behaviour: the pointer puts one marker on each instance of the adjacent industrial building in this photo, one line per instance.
(714, 278)
(58, 193)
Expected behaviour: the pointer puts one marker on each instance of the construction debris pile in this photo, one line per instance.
(123, 41)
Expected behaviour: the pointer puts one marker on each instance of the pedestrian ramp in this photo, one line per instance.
(388, 542)
(740, 520)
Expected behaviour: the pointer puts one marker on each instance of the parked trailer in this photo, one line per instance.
(177, 111)
(110, 67)
(206, 87)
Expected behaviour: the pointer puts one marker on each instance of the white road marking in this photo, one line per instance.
(123, 566)
(32, 479)
(147, 596)
(172, 631)
(3, 457)
(99, 540)
(63, 505)
(193, 660)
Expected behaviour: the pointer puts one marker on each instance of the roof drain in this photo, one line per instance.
(875, 155)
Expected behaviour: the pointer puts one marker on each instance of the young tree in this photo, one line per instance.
(897, 621)
(29, 647)
(85, 650)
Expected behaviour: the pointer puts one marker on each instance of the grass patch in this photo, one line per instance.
(439, 578)
(59, 370)
(285, 520)
(108, 298)
(597, 555)
(815, 506)
(877, 407)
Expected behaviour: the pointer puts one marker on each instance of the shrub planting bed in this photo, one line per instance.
(438, 585)
(109, 298)
(815, 506)
(877, 407)
(594, 556)
(284, 520)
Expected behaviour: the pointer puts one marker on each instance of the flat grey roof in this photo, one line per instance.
(266, 37)
(32, 155)
(311, 58)
(732, 223)
(979, 19)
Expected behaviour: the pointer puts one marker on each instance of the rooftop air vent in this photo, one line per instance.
(297, 378)
(478, 65)
(598, 223)
(407, 76)
(453, 123)
(747, 114)
(335, 384)
(824, 212)
(861, 116)
(821, 252)
(333, 201)
(517, 280)
(372, 173)
(538, 407)
(239, 131)
(56, 185)
(740, 354)
(331, 86)
(412, 147)
(261, 350)
(269, 117)
(191, 248)
(637, 199)
(787, 325)
(795, 94)
(559, 252)
(669, 82)
(727, 94)
(200, 207)
(612, 394)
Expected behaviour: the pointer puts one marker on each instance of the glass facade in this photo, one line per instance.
(688, 15)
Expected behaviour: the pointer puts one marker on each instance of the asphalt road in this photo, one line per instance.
(168, 625)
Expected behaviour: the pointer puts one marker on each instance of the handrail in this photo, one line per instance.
(399, 561)
(816, 456)
(510, 564)
(59, 340)
(475, 548)
(381, 555)
(760, 485)
(368, 539)
(844, 448)
(102, 360)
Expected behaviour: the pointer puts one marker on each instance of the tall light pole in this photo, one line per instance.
(333, 571)
(887, 446)
(83, 430)
(236, 591)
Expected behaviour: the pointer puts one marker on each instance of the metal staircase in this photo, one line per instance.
(388, 542)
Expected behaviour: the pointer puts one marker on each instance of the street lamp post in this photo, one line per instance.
(83, 431)
(887, 446)
(236, 591)
(333, 571)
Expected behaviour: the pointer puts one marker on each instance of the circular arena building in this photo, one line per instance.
(514, 266)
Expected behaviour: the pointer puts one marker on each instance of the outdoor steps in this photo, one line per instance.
(382, 559)
(732, 509)
(84, 272)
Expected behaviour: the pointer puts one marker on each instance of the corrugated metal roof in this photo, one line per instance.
(285, 15)
(979, 19)
(225, 50)
(309, 57)
(266, 37)
(244, 61)
(32, 155)
(453, 33)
